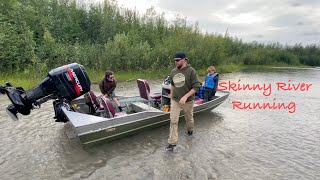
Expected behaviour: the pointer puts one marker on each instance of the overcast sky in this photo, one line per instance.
(266, 21)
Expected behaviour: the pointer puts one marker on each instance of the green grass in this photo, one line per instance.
(29, 80)
(96, 76)
(24, 80)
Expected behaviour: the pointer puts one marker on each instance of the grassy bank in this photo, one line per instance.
(29, 80)
(96, 76)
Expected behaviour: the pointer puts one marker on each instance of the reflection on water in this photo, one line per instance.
(227, 144)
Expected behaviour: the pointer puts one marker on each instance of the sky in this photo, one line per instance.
(265, 21)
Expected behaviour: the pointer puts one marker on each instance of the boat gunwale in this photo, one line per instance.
(198, 108)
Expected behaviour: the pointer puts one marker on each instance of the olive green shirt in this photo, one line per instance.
(183, 80)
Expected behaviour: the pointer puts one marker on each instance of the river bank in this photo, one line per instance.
(28, 79)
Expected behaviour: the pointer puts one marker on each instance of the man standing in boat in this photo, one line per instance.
(184, 84)
(107, 86)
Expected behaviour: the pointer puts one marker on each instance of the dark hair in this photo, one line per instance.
(108, 73)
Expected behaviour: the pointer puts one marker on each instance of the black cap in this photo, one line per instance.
(180, 55)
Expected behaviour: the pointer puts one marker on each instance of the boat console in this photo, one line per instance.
(62, 84)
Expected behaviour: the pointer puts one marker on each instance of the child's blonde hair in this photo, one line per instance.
(211, 69)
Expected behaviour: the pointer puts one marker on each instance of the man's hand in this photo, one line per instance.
(183, 100)
(186, 96)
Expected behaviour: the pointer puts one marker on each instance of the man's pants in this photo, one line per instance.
(174, 116)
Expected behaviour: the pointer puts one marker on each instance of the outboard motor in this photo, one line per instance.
(62, 84)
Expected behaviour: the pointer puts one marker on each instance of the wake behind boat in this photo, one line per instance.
(94, 119)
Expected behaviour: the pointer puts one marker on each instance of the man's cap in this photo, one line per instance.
(180, 55)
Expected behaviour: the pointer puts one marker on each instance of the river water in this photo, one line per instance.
(228, 143)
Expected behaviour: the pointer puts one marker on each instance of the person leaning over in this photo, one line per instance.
(184, 84)
(107, 86)
(210, 83)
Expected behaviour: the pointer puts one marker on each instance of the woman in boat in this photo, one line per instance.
(210, 84)
(107, 86)
(184, 84)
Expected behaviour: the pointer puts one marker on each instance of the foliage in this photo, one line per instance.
(38, 35)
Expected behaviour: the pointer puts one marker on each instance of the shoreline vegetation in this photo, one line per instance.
(39, 35)
(29, 81)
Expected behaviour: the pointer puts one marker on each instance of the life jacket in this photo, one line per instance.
(209, 82)
(200, 92)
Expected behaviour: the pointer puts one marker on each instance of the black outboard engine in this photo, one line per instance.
(62, 84)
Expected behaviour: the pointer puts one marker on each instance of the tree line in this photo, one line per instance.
(38, 35)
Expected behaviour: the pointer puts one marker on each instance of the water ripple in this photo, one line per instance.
(227, 143)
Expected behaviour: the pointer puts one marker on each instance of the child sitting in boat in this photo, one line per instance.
(210, 84)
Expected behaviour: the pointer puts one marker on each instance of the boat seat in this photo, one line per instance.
(97, 103)
(109, 109)
(92, 101)
(144, 91)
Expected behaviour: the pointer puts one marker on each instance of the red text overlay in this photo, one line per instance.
(266, 89)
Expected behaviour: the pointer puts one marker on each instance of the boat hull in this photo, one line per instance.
(92, 130)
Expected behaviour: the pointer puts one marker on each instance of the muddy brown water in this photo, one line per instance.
(228, 143)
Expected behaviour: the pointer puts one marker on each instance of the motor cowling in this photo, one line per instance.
(62, 84)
